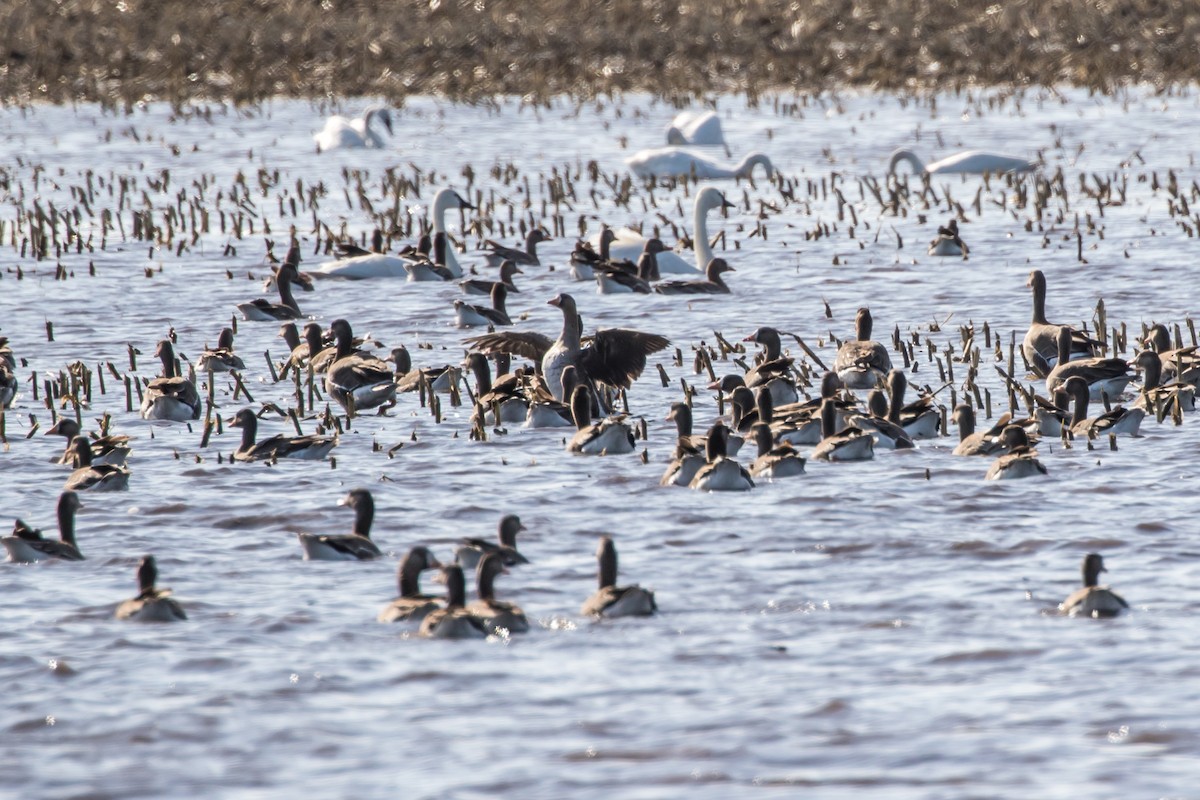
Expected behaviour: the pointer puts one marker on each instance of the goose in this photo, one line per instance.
(151, 604)
(611, 436)
(261, 310)
(546, 412)
(435, 267)
(681, 415)
(698, 129)
(170, 397)
(948, 242)
(355, 546)
(680, 162)
(1093, 600)
(747, 408)
(221, 358)
(615, 278)
(412, 605)
(320, 349)
(614, 357)
(26, 545)
(720, 473)
(1103, 376)
(468, 315)
(629, 244)
(94, 477)
(1040, 345)
(444, 379)
(348, 249)
(297, 347)
(977, 443)
(1120, 420)
(611, 600)
(311, 447)
(888, 433)
(774, 460)
(495, 614)
(921, 419)
(774, 371)
(1019, 461)
(498, 253)
(8, 374)
(471, 550)
(848, 444)
(713, 283)
(1156, 398)
(481, 286)
(1181, 364)
(586, 257)
(340, 133)
(357, 382)
(453, 621)
(968, 162)
(505, 401)
(862, 363)
(686, 461)
(106, 450)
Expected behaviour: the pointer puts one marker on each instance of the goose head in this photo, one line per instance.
(1093, 565)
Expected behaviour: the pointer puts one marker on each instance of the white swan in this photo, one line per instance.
(629, 243)
(382, 265)
(347, 134)
(972, 162)
(665, 162)
(697, 128)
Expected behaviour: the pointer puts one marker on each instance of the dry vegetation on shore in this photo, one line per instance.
(119, 51)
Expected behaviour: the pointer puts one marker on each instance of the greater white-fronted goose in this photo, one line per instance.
(613, 277)
(8, 374)
(1119, 420)
(482, 286)
(1104, 376)
(713, 283)
(349, 249)
(94, 477)
(151, 604)
(773, 369)
(611, 600)
(720, 473)
(220, 358)
(610, 436)
(357, 381)
(469, 315)
(26, 545)
(172, 396)
(496, 615)
(862, 363)
(1154, 397)
(1019, 461)
(453, 621)
(922, 418)
(311, 447)
(977, 443)
(497, 253)
(112, 450)
(412, 605)
(1181, 364)
(686, 460)
(433, 267)
(888, 434)
(441, 379)
(1093, 600)
(547, 412)
(1040, 345)
(504, 401)
(681, 415)
(471, 550)
(585, 258)
(848, 444)
(948, 242)
(799, 423)
(261, 310)
(356, 546)
(775, 460)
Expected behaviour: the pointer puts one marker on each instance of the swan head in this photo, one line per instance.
(380, 113)
(711, 197)
(675, 136)
(746, 168)
(918, 166)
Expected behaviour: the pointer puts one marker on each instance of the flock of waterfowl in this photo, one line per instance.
(583, 381)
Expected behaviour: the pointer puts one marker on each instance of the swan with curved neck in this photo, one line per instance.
(340, 133)
(968, 162)
(679, 162)
(698, 129)
(629, 244)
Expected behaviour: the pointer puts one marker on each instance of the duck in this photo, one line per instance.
(922, 418)
(8, 374)
(151, 603)
(311, 447)
(628, 244)
(720, 473)
(1119, 420)
(611, 601)
(774, 370)
(27, 546)
(977, 443)
(481, 286)
(106, 450)
(496, 615)
(341, 133)
(94, 477)
(1040, 345)
(848, 444)
(888, 433)
(356, 546)
(1019, 459)
(468, 315)
(504, 401)
(948, 242)
(862, 363)
(775, 460)
(680, 162)
(357, 382)
(471, 550)
(713, 283)
(170, 397)
(968, 162)
(221, 358)
(412, 605)
(497, 253)
(260, 310)
(1093, 600)
(1103, 376)
(1181, 364)
(697, 129)
(611, 436)
(1156, 398)
(454, 621)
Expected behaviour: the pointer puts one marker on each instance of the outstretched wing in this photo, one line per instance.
(526, 344)
(617, 356)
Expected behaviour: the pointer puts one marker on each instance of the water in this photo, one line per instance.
(882, 627)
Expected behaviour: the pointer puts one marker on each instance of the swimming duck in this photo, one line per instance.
(697, 128)
(774, 460)
(611, 600)
(948, 242)
(171, 397)
(106, 450)
(26, 545)
(680, 162)
(412, 605)
(862, 363)
(1119, 420)
(1040, 345)
(260, 310)
(848, 444)
(94, 477)
(311, 447)
(341, 133)
(481, 286)
(528, 257)
(1093, 600)
(713, 283)
(720, 473)
(472, 550)
(220, 358)
(611, 436)
(628, 244)
(977, 443)
(774, 371)
(357, 381)
(495, 614)
(1019, 461)
(453, 621)
(356, 546)
(970, 162)
(1103, 376)
(468, 315)
(922, 418)
(151, 604)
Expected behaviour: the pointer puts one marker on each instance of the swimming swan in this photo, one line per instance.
(697, 128)
(665, 162)
(968, 162)
(347, 134)
(629, 244)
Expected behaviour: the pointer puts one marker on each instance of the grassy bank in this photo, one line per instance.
(120, 51)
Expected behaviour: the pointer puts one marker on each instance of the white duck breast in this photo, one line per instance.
(970, 162)
(668, 162)
(629, 244)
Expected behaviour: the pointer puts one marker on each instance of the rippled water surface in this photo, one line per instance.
(882, 628)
